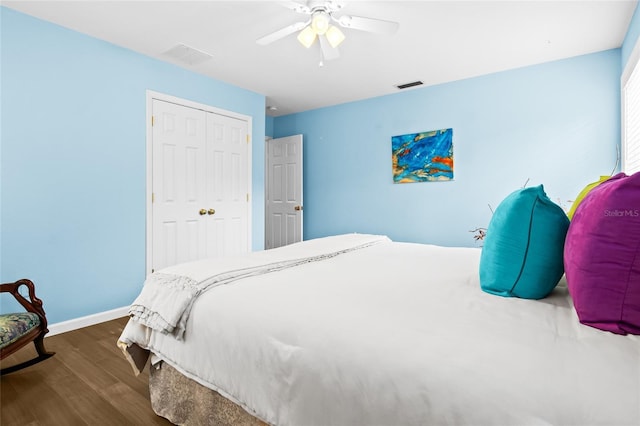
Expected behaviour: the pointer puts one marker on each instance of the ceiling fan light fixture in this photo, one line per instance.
(306, 37)
(334, 36)
(320, 22)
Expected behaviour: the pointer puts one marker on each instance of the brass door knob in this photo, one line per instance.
(211, 211)
(297, 208)
(202, 212)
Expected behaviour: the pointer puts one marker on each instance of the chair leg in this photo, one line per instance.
(42, 355)
(42, 352)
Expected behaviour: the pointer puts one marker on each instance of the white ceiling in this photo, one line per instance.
(438, 41)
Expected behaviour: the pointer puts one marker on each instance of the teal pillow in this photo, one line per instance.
(522, 252)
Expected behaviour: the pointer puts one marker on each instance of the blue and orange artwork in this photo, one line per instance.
(423, 157)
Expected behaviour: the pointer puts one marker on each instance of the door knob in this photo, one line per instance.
(297, 208)
(211, 211)
(202, 212)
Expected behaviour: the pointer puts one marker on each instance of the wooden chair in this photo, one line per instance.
(20, 329)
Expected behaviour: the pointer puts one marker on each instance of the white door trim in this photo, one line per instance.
(151, 95)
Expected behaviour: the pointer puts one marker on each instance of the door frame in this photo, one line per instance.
(151, 95)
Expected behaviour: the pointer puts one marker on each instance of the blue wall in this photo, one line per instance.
(556, 124)
(72, 155)
(269, 126)
(73, 161)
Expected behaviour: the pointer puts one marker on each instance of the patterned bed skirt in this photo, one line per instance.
(185, 402)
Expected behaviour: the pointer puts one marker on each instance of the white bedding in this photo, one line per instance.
(165, 302)
(399, 334)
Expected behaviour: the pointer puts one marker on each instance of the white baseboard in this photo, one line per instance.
(76, 323)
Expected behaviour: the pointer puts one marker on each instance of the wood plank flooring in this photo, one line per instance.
(87, 382)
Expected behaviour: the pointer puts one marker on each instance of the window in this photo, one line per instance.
(630, 83)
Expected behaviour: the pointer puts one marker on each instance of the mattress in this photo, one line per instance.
(396, 333)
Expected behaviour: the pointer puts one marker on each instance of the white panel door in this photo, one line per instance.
(227, 186)
(178, 184)
(200, 184)
(283, 191)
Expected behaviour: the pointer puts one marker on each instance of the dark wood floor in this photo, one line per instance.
(87, 382)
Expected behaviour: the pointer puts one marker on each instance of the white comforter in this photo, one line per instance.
(165, 302)
(399, 334)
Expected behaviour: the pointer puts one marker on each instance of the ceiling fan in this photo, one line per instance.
(320, 26)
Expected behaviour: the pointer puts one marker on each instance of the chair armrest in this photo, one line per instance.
(33, 304)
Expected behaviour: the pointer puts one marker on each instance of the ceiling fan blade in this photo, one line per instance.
(297, 7)
(372, 25)
(281, 33)
(328, 52)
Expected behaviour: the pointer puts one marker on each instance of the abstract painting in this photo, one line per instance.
(423, 157)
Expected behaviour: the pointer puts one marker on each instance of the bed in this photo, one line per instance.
(360, 330)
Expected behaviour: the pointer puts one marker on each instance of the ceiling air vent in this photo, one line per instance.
(407, 85)
(188, 54)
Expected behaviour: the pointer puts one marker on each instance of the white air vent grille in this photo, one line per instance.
(188, 54)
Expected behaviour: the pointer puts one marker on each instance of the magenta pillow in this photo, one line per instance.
(602, 256)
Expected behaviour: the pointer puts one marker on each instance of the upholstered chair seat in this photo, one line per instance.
(14, 326)
(21, 328)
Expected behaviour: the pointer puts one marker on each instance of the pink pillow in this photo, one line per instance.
(602, 256)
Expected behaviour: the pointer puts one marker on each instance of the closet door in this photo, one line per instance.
(200, 185)
(178, 184)
(227, 185)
